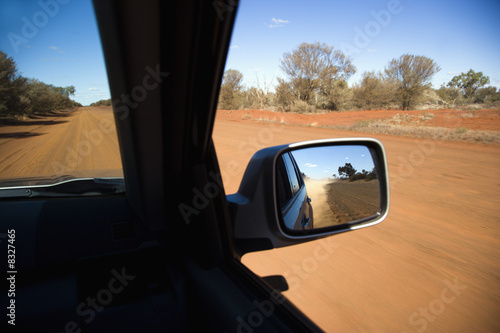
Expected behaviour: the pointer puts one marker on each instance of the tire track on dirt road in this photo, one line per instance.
(86, 145)
(442, 229)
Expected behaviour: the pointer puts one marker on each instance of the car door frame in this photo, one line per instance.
(187, 144)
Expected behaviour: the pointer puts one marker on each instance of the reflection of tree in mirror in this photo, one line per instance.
(364, 175)
(349, 172)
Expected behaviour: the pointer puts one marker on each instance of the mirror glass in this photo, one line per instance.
(326, 186)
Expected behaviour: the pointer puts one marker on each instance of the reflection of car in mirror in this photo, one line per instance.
(266, 217)
(292, 195)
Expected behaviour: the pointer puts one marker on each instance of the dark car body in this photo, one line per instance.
(295, 204)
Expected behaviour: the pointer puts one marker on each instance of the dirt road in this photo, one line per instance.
(432, 266)
(351, 201)
(323, 216)
(81, 143)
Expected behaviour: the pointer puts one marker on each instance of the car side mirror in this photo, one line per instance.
(299, 192)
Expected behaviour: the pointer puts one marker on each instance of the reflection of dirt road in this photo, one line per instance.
(336, 202)
(351, 201)
(322, 214)
(442, 237)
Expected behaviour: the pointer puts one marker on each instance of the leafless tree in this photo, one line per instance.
(261, 91)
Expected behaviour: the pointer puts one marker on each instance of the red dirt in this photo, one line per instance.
(486, 120)
(81, 143)
(432, 265)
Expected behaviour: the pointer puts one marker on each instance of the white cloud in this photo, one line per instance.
(234, 47)
(93, 89)
(372, 50)
(275, 23)
(453, 73)
(55, 48)
(279, 21)
(255, 69)
(311, 165)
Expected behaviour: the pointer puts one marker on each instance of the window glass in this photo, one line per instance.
(423, 77)
(292, 175)
(283, 184)
(56, 120)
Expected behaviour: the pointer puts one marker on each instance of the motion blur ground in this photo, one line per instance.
(443, 225)
(442, 230)
(81, 143)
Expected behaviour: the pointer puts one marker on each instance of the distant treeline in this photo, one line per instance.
(348, 172)
(315, 78)
(102, 102)
(21, 96)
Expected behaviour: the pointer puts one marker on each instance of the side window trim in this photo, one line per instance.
(292, 174)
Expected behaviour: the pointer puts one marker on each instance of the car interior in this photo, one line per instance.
(132, 260)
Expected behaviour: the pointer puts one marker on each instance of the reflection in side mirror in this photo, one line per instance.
(321, 187)
(302, 191)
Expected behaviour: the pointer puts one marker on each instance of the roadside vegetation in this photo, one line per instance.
(24, 97)
(348, 172)
(102, 102)
(316, 75)
(392, 126)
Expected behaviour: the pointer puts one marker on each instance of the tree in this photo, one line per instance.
(46, 98)
(284, 94)
(102, 102)
(65, 91)
(374, 91)
(22, 96)
(261, 91)
(311, 68)
(230, 89)
(12, 87)
(469, 82)
(347, 171)
(364, 175)
(412, 75)
(451, 95)
(334, 94)
(41, 97)
(487, 95)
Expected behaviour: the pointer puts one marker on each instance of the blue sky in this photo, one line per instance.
(64, 49)
(459, 35)
(323, 162)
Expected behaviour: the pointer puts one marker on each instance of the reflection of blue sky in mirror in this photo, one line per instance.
(323, 162)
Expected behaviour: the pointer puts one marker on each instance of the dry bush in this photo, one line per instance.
(299, 106)
(438, 133)
(373, 92)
